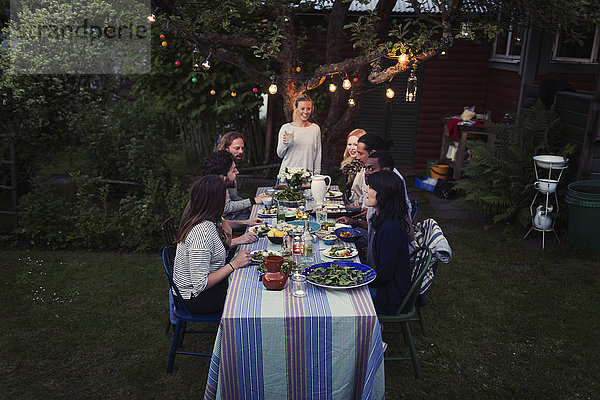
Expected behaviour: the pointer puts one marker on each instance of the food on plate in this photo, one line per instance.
(339, 251)
(290, 228)
(325, 225)
(261, 230)
(333, 193)
(336, 275)
(347, 234)
(260, 255)
(271, 210)
(301, 214)
(274, 232)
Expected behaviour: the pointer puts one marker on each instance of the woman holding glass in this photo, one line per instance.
(200, 271)
(299, 141)
(352, 168)
(387, 250)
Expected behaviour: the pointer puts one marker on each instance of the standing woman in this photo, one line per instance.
(387, 251)
(353, 170)
(299, 142)
(200, 271)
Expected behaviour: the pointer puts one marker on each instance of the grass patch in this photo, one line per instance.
(504, 321)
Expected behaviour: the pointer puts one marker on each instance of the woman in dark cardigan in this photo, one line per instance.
(388, 247)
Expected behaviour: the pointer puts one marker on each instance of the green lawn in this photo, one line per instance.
(505, 321)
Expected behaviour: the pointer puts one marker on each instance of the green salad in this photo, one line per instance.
(336, 275)
(288, 194)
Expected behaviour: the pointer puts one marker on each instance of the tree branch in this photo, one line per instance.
(226, 39)
(347, 65)
(377, 76)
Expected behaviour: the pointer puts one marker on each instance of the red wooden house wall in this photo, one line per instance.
(450, 83)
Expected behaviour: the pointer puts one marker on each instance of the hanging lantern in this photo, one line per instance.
(197, 60)
(411, 87)
(332, 87)
(389, 93)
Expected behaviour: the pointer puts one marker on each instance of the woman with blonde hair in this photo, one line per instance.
(299, 141)
(353, 170)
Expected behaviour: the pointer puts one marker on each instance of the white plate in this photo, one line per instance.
(261, 213)
(353, 253)
(258, 261)
(255, 227)
(332, 194)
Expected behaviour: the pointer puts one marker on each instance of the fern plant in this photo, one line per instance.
(499, 178)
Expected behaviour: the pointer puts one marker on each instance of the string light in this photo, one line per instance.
(198, 65)
(351, 101)
(177, 63)
(346, 84)
(389, 93)
(212, 92)
(206, 63)
(151, 18)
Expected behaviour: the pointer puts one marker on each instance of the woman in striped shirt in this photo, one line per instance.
(200, 271)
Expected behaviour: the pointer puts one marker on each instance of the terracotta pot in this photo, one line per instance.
(274, 279)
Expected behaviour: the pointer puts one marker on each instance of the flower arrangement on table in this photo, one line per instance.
(291, 195)
(295, 177)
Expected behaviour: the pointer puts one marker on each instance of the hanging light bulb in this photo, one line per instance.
(233, 93)
(197, 57)
(403, 58)
(206, 63)
(346, 84)
(351, 102)
(273, 86)
(389, 93)
(151, 18)
(332, 87)
(411, 87)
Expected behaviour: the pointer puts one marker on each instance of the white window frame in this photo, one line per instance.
(593, 59)
(506, 57)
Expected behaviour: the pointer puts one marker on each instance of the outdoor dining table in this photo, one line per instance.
(273, 345)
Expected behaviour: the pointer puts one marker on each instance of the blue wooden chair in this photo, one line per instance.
(181, 312)
(420, 259)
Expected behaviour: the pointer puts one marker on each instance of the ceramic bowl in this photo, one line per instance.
(350, 235)
(267, 201)
(275, 240)
(329, 239)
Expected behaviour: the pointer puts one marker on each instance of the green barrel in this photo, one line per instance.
(583, 198)
(430, 163)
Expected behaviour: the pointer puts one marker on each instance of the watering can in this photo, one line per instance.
(542, 220)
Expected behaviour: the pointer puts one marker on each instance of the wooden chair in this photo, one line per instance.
(169, 230)
(420, 258)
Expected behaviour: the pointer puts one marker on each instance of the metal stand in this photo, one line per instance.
(561, 166)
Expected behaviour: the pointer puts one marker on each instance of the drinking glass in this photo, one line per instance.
(321, 215)
(286, 247)
(298, 285)
(290, 136)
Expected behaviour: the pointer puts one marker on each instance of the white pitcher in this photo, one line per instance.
(318, 187)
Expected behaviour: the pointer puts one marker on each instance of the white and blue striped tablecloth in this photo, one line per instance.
(272, 345)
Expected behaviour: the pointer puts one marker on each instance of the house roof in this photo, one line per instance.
(401, 6)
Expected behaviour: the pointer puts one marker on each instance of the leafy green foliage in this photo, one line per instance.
(499, 179)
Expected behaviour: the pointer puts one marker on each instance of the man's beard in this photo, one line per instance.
(231, 184)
